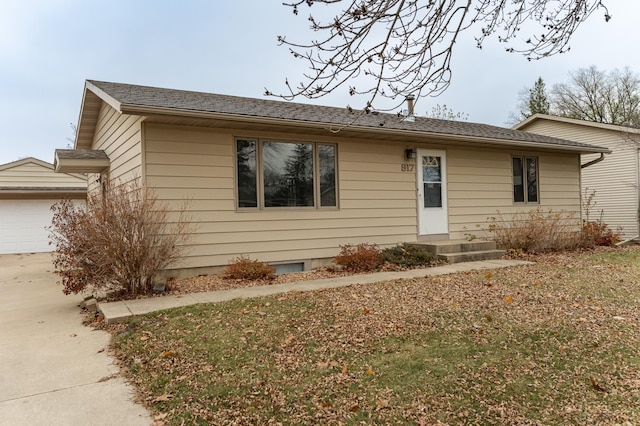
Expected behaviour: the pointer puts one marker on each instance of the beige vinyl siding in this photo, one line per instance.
(614, 180)
(35, 175)
(479, 184)
(120, 136)
(480, 187)
(377, 200)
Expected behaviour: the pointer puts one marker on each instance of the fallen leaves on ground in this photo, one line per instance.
(213, 282)
(164, 398)
(446, 349)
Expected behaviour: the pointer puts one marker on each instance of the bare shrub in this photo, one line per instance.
(360, 258)
(536, 231)
(245, 268)
(596, 232)
(119, 243)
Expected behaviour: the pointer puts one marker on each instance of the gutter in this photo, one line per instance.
(42, 193)
(163, 111)
(592, 162)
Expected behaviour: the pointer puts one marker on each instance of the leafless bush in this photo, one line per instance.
(596, 232)
(119, 243)
(536, 231)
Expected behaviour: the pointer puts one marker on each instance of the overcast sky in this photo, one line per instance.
(49, 47)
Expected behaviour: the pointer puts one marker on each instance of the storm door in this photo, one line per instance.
(433, 217)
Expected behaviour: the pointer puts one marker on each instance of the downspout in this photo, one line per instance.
(596, 161)
(635, 239)
(637, 198)
(584, 166)
(592, 162)
(628, 240)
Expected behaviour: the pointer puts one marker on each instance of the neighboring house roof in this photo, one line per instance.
(196, 108)
(540, 117)
(34, 178)
(25, 161)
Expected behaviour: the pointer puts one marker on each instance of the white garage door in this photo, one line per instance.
(22, 226)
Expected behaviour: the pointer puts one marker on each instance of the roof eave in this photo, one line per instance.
(80, 165)
(527, 144)
(148, 110)
(92, 98)
(524, 123)
(539, 117)
(25, 161)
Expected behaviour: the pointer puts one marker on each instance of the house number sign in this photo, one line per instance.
(406, 167)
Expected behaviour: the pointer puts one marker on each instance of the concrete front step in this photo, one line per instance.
(455, 251)
(455, 246)
(470, 256)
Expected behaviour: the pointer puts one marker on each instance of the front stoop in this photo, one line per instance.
(456, 251)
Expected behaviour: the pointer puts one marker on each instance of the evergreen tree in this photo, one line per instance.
(531, 100)
(538, 101)
(295, 182)
(246, 169)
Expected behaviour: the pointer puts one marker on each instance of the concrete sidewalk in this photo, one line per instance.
(120, 311)
(53, 369)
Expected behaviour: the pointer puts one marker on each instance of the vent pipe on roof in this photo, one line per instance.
(410, 116)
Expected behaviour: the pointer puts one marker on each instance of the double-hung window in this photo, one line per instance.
(285, 174)
(525, 179)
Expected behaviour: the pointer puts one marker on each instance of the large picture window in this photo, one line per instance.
(285, 174)
(525, 179)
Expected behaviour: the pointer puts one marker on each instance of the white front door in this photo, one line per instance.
(433, 217)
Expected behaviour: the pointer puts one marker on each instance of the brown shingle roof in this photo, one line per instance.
(82, 154)
(180, 101)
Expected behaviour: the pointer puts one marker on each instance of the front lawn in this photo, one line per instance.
(553, 343)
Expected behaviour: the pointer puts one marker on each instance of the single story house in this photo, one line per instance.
(615, 180)
(289, 183)
(28, 189)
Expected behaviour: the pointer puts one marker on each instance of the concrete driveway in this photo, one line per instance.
(54, 370)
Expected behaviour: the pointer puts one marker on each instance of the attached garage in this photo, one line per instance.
(28, 189)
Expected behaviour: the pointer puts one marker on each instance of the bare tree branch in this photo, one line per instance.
(594, 95)
(393, 48)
